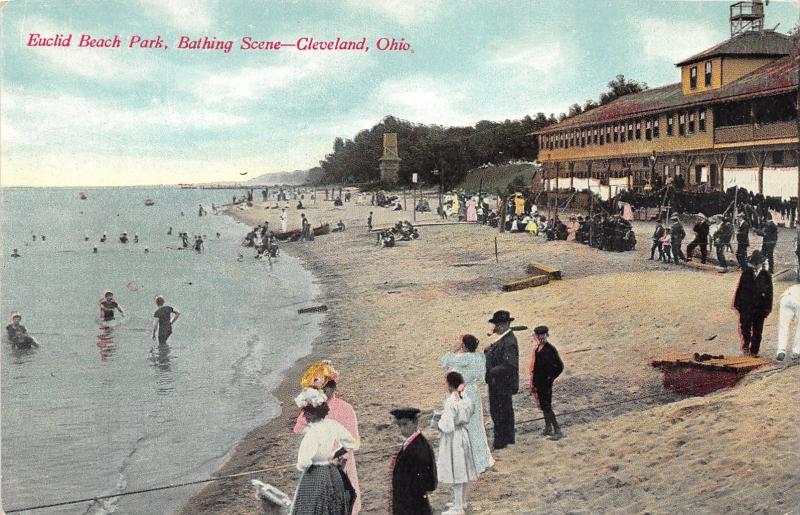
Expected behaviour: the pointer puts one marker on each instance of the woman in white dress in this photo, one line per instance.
(472, 367)
(454, 464)
(323, 488)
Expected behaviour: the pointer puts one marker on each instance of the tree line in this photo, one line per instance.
(445, 154)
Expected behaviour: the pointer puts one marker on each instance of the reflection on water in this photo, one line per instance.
(21, 355)
(105, 342)
(161, 361)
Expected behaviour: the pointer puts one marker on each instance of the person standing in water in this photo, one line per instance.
(163, 319)
(107, 307)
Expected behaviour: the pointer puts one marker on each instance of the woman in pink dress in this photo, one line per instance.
(472, 210)
(343, 413)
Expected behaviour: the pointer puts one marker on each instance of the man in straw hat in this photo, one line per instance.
(502, 376)
(753, 301)
(412, 472)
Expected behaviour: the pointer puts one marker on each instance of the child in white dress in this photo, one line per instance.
(454, 464)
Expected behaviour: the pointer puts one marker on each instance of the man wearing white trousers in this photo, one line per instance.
(789, 310)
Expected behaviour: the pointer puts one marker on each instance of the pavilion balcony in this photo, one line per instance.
(755, 132)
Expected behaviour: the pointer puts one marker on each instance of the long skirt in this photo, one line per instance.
(322, 491)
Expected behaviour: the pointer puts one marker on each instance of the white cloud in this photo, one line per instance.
(404, 12)
(256, 82)
(69, 118)
(674, 40)
(540, 57)
(189, 15)
(420, 100)
(105, 64)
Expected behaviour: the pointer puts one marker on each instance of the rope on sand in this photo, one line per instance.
(383, 452)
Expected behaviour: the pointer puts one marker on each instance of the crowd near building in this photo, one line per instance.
(730, 121)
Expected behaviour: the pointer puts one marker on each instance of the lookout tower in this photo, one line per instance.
(747, 16)
(390, 161)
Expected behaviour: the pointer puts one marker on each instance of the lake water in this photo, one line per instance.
(98, 411)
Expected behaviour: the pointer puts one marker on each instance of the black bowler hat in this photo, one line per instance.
(757, 258)
(542, 329)
(501, 316)
(401, 413)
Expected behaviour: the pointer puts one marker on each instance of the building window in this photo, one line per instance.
(741, 159)
(666, 170)
(670, 124)
(583, 139)
(630, 131)
(703, 120)
(595, 136)
(608, 134)
(645, 162)
(682, 125)
(656, 131)
(691, 123)
(616, 133)
(693, 77)
(638, 130)
(777, 157)
(648, 131)
(708, 73)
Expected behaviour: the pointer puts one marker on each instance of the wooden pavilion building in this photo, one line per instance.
(731, 120)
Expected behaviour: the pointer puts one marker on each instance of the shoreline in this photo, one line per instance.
(394, 312)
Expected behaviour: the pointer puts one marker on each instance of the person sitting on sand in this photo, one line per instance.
(300, 204)
(339, 227)
(17, 334)
(107, 307)
(15, 253)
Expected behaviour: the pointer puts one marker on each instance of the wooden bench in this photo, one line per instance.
(527, 282)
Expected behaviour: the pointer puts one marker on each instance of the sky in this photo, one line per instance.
(129, 116)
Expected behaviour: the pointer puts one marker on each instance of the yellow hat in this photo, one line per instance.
(318, 375)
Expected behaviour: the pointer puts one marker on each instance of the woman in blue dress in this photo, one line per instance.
(472, 366)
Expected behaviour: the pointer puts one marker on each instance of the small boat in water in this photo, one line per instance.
(82, 195)
(149, 202)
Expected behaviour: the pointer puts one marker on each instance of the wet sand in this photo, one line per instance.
(630, 447)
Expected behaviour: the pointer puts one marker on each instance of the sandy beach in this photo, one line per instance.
(630, 446)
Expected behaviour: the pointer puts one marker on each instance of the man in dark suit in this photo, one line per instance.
(545, 367)
(753, 301)
(701, 230)
(413, 468)
(502, 377)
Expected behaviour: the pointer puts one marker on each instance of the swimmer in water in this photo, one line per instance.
(17, 334)
(163, 319)
(146, 250)
(94, 249)
(33, 236)
(43, 238)
(198, 244)
(85, 237)
(169, 232)
(123, 238)
(135, 238)
(217, 235)
(107, 307)
(16, 253)
(103, 238)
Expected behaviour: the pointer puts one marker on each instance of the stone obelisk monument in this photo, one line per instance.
(390, 161)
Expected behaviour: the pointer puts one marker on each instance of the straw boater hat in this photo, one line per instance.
(318, 375)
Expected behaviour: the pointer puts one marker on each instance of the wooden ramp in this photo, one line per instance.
(542, 269)
(687, 375)
(539, 275)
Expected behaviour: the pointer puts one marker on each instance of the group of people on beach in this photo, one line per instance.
(329, 484)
